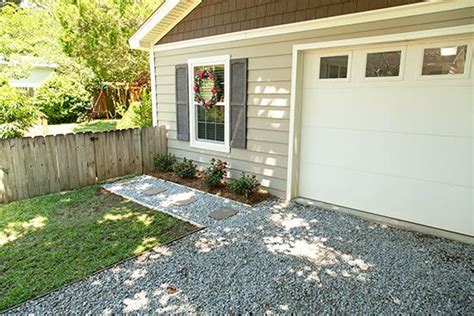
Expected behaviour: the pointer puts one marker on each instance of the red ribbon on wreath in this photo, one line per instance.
(215, 91)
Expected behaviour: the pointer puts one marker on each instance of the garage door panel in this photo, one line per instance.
(397, 146)
(425, 157)
(397, 109)
(429, 203)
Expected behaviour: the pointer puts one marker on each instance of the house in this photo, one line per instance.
(358, 103)
(37, 71)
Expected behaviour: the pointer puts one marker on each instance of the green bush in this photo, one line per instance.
(16, 112)
(185, 169)
(138, 114)
(215, 173)
(246, 185)
(62, 99)
(164, 163)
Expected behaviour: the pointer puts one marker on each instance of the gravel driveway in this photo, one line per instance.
(274, 258)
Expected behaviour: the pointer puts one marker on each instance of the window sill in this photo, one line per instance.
(225, 148)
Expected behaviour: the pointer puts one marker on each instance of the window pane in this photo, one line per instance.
(384, 64)
(209, 84)
(211, 123)
(444, 60)
(333, 67)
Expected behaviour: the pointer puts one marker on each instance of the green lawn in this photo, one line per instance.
(49, 241)
(95, 126)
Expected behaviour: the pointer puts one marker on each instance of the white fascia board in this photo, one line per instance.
(431, 6)
(154, 105)
(150, 24)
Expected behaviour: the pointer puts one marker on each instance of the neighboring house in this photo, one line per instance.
(364, 104)
(38, 71)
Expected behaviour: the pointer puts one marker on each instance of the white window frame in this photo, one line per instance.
(384, 50)
(441, 44)
(209, 144)
(335, 54)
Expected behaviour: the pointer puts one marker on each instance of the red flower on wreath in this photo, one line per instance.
(196, 88)
(214, 90)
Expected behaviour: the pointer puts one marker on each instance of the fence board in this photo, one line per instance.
(100, 156)
(51, 159)
(7, 179)
(16, 151)
(41, 165)
(29, 166)
(89, 158)
(136, 150)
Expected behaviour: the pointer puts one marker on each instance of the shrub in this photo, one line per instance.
(16, 112)
(185, 169)
(246, 185)
(138, 114)
(215, 173)
(62, 99)
(165, 162)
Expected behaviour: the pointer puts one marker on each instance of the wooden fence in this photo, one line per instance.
(41, 165)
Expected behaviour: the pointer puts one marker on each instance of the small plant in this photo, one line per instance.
(185, 169)
(215, 173)
(164, 163)
(246, 185)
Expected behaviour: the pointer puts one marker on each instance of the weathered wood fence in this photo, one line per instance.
(41, 165)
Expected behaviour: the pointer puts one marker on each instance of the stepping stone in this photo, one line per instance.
(154, 191)
(184, 202)
(223, 213)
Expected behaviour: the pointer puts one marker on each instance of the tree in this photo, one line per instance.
(16, 111)
(96, 34)
(27, 32)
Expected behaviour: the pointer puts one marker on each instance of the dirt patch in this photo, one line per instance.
(107, 194)
(198, 183)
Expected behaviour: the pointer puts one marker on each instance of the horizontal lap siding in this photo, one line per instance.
(267, 123)
(269, 74)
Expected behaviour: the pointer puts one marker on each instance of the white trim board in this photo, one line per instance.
(431, 6)
(296, 81)
(154, 105)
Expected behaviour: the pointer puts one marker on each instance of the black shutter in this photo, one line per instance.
(238, 103)
(182, 102)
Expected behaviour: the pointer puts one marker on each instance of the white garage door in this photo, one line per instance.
(388, 129)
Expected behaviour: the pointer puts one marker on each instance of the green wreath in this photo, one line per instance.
(216, 90)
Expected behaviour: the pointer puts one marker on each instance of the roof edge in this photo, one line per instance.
(429, 6)
(138, 39)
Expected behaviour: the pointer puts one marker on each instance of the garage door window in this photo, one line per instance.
(448, 60)
(383, 64)
(334, 67)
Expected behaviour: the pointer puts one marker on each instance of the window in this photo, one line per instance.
(383, 64)
(209, 127)
(449, 60)
(333, 67)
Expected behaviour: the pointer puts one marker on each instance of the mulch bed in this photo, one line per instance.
(198, 183)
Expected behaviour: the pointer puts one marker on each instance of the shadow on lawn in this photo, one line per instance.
(50, 241)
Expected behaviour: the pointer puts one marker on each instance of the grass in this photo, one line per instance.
(96, 126)
(49, 241)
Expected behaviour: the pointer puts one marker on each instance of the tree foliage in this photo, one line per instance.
(27, 32)
(16, 111)
(96, 33)
(62, 99)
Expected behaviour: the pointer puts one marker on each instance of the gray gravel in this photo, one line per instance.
(274, 258)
